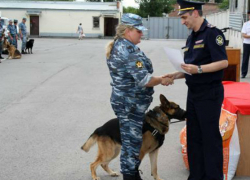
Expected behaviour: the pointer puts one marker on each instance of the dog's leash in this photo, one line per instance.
(177, 121)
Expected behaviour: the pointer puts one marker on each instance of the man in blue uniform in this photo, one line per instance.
(205, 58)
(12, 37)
(23, 34)
(1, 38)
(16, 31)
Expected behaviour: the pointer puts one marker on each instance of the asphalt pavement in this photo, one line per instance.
(52, 100)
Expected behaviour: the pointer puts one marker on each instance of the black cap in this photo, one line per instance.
(186, 6)
(15, 21)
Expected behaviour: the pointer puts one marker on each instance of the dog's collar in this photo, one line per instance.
(156, 112)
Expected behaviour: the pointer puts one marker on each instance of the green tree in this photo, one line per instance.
(103, 0)
(217, 1)
(48, 0)
(224, 4)
(155, 8)
(130, 10)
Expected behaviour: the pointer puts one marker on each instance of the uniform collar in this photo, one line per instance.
(128, 42)
(202, 28)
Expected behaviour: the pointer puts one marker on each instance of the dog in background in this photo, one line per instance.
(5, 43)
(11, 49)
(29, 46)
(155, 127)
(13, 52)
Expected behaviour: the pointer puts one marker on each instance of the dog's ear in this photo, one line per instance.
(164, 100)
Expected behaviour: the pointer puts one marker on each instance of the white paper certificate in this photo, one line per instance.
(176, 58)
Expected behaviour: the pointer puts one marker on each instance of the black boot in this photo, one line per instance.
(23, 52)
(137, 175)
(128, 177)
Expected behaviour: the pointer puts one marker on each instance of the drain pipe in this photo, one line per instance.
(245, 11)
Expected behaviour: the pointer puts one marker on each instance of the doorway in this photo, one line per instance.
(109, 26)
(34, 25)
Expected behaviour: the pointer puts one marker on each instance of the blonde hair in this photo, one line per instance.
(120, 32)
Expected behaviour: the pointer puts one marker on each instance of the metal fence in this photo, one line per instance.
(236, 21)
(165, 28)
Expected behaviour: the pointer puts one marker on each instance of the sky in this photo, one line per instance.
(132, 3)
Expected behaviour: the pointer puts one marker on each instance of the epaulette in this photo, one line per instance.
(210, 25)
(131, 49)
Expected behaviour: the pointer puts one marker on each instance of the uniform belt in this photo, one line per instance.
(200, 88)
(205, 85)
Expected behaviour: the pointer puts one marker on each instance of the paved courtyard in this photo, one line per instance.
(52, 100)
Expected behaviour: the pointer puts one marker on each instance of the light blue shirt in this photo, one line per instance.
(22, 27)
(12, 29)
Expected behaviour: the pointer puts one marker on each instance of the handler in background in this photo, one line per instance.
(12, 36)
(15, 43)
(23, 34)
(205, 58)
(1, 38)
(132, 89)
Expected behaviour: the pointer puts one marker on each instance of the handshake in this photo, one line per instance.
(167, 79)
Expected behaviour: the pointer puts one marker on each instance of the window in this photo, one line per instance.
(96, 22)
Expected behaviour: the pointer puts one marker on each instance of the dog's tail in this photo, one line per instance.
(89, 143)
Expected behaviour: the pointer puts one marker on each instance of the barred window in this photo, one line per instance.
(96, 22)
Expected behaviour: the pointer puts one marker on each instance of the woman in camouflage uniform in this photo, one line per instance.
(132, 89)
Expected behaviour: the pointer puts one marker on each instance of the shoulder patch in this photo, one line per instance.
(139, 64)
(210, 25)
(219, 40)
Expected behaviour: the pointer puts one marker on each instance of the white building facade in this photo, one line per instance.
(61, 19)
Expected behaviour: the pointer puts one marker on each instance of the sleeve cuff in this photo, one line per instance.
(145, 80)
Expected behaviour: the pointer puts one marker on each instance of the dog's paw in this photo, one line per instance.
(158, 178)
(97, 178)
(114, 174)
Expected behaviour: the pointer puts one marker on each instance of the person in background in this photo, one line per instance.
(205, 58)
(23, 34)
(15, 43)
(246, 47)
(1, 39)
(132, 89)
(12, 36)
(80, 31)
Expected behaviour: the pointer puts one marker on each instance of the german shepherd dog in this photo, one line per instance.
(5, 43)
(155, 127)
(29, 46)
(13, 52)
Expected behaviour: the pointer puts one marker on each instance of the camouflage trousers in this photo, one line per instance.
(131, 117)
(23, 43)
